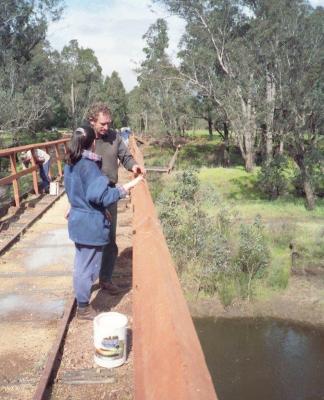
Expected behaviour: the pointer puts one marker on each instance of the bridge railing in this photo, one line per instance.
(168, 359)
(15, 175)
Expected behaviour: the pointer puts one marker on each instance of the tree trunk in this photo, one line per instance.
(226, 156)
(247, 126)
(73, 104)
(145, 123)
(307, 186)
(281, 147)
(249, 161)
(309, 192)
(270, 101)
(210, 127)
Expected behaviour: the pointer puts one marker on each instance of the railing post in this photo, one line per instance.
(58, 160)
(34, 173)
(49, 169)
(15, 181)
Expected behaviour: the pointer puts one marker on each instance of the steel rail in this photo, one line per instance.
(53, 354)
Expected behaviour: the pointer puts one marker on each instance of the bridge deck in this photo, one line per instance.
(36, 284)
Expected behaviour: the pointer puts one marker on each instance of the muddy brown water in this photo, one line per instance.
(254, 359)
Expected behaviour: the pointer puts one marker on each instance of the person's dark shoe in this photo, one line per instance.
(86, 313)
(112, 289)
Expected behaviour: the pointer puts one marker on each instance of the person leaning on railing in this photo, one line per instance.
(110, 146)
(89, 195)
(42, 159)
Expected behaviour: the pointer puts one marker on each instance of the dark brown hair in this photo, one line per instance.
(82, 139)
(95, 109)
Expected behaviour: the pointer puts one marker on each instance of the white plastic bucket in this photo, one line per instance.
(110, 339)
(54, 188)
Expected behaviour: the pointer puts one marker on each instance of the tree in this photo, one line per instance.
(217, 63)
(162, 95)
(82, 80)
(24, 96)
(293, 60)
(114, 94)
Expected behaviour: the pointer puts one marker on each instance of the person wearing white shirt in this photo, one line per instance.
(43, 161)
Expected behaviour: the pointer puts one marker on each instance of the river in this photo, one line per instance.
(263, 359)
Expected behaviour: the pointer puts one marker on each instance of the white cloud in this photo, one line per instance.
(114, 30)
(316, 3)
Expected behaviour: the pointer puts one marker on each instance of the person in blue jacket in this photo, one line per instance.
(89, 195)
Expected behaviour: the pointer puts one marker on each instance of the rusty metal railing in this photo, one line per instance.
(15, 175)
(168, 359)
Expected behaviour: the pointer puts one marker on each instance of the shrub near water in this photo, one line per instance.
(253, 255)
(200, 244)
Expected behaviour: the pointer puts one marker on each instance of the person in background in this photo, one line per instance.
(125, 132)
(110, 146)
(43, 160)
(89, 193)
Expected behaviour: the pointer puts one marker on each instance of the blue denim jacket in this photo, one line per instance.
(89, 194)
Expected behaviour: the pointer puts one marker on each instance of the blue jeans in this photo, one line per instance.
(87, 263)
(43, 172)
(110, 251)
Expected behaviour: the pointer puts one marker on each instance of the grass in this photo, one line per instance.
(286, 219)
(238, 188)
(158, 156)
(199, 133)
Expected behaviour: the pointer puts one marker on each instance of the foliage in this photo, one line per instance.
(159, 95)
(193, 238)
(25, 79)
(272, 180)
(81, 81)
(114, 94)
(253, 255)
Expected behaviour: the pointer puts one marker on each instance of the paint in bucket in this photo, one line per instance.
(110, 339)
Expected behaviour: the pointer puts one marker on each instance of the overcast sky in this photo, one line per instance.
(114, 30)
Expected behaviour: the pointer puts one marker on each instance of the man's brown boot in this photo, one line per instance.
(111, 288)
(86, 313)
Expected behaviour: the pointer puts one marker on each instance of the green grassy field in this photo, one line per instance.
(286, 220)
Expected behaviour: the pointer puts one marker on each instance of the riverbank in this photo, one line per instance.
(302, 302)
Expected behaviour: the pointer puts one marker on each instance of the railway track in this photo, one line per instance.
(46, 353)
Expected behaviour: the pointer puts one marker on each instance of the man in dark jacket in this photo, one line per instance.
(110, 146)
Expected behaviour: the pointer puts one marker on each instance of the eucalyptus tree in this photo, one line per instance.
(82, 80)
(114, 94)
(162, 94)
(288, 38)
(23, 26)
(301, 99)
(217, 63)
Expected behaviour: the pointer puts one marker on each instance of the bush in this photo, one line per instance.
(198, 243)
(271, 179)
(253, 254)
(278, 277)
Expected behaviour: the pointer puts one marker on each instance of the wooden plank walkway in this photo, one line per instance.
(36, 283)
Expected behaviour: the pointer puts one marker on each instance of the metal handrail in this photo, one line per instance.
(168, 359)
(16, 175)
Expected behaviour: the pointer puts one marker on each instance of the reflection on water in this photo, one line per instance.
(263, 359)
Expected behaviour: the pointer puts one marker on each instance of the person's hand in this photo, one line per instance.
(138, 169)
(129, 185)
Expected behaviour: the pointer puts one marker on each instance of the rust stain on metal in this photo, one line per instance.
(168, 359)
